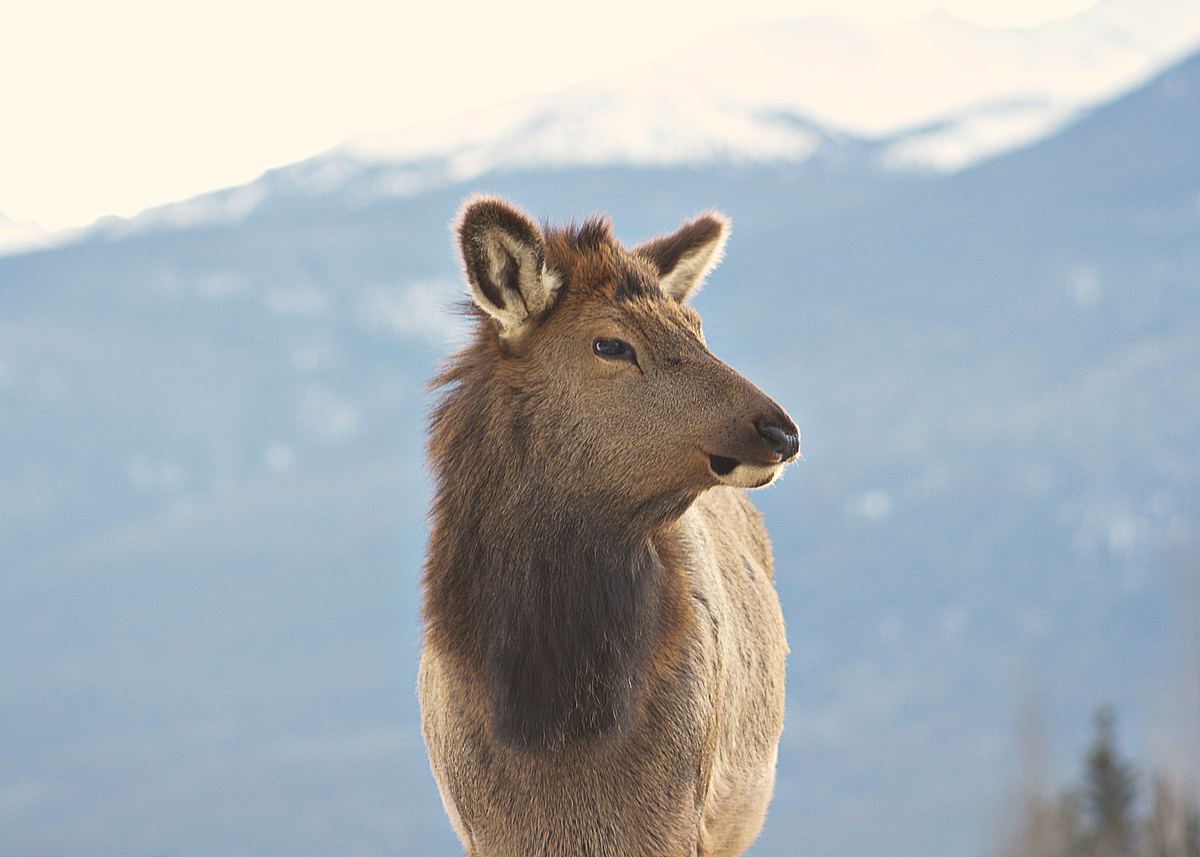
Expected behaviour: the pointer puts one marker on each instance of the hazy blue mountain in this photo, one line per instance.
(212, 490)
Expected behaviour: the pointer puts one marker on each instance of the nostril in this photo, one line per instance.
(781, 441)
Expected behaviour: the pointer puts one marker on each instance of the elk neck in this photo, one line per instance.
(558, 601)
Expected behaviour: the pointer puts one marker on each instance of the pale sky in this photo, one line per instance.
(109, 108)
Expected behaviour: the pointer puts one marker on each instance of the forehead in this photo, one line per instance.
(598, 270)
(591, 259)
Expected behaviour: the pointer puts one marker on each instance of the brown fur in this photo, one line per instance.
(604, 653)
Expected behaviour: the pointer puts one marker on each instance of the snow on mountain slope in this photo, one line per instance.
(934, 93)
(946, 91)
(15, 236)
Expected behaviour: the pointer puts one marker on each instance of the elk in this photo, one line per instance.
(603, 662)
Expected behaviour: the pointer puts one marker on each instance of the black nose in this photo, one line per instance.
(785, 441)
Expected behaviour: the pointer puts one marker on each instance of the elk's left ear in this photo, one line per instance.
(502, 252)
(685, 257)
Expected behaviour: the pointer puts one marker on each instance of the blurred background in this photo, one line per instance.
(965, 256)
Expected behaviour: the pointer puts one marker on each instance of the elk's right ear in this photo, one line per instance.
(505, 263)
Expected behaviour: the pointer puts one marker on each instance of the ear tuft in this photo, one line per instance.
(503, 257)
(685, 257)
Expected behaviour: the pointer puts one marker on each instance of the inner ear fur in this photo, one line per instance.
(504, 260)
(686, 256)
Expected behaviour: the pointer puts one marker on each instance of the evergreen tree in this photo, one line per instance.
(1109, 793)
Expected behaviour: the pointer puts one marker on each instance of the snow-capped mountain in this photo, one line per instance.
(937, 91)
(16, 236)
(929, 94)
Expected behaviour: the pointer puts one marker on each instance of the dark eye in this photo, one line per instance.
(614, 349)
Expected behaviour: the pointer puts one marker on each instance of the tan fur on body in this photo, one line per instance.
(604, 657)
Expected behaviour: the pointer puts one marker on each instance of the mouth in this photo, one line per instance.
(743, 474)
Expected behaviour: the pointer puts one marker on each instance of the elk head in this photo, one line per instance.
(601, 375)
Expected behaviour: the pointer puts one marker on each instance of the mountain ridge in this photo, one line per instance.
(930, 94)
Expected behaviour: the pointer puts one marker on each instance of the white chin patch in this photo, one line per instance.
(750, 475)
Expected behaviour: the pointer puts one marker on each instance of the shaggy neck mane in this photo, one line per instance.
(555, 600)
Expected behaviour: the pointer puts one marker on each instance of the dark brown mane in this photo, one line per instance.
(559, 600)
